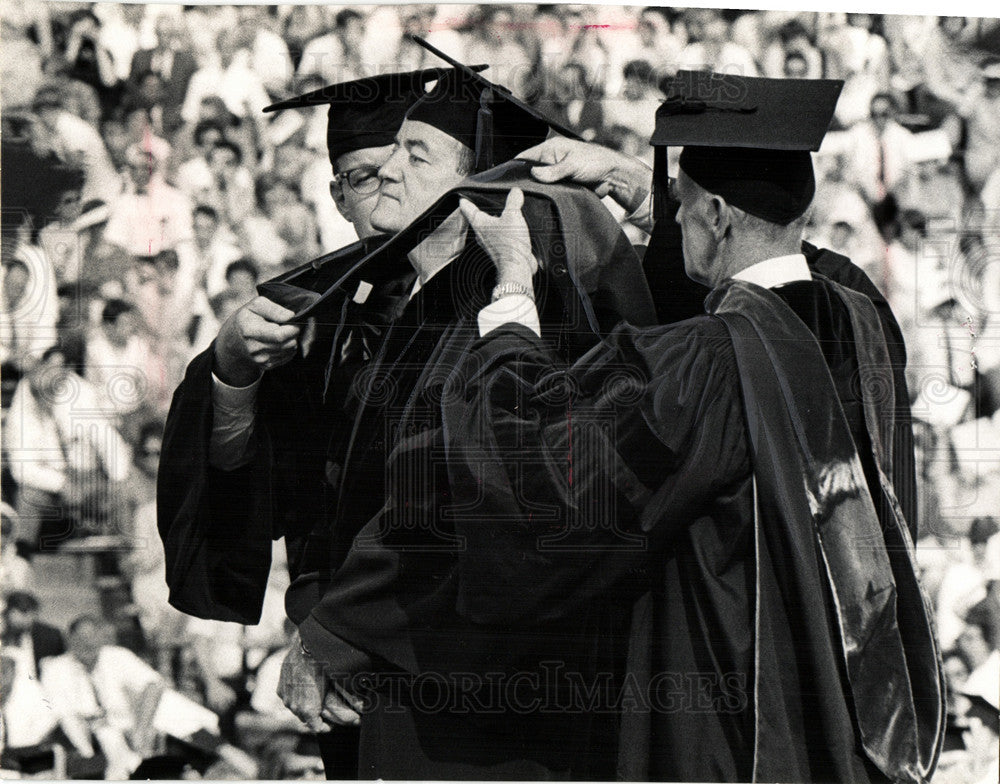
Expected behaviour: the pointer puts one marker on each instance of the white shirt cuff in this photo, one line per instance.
(232, 398)
(642, 216)
(234, 409)
(515, 308)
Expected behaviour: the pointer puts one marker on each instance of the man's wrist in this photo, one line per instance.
(512, 287)
(630, 184)
(234, 374)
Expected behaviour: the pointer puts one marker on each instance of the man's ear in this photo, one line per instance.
(337, 193)
(720, 216)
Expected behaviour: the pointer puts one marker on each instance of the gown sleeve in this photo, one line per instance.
(215, 525)
(561, 484)
(571, 478)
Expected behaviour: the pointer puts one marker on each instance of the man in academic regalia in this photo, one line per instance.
(218, 514)
(780, 633)
(464, 125)
(651, 206)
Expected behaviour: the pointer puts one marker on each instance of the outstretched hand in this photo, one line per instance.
(505, 238)
(605, 171)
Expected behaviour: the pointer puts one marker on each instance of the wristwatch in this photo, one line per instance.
(510, 288)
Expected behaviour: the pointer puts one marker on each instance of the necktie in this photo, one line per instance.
(882, 188)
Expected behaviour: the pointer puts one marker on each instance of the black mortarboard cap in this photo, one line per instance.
(748, 139)
(366, 112)
(484, 116)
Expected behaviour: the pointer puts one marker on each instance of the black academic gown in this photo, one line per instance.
(676, 297)
(396, 588)
(589, 281)
(780, 634)
(216, 525)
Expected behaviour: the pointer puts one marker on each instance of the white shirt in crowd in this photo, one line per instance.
(115, 685)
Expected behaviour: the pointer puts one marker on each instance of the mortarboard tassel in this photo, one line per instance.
(484, 132)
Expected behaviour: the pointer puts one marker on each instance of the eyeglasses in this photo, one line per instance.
(363, 179)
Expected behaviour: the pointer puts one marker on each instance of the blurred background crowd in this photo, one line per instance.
(145, 194)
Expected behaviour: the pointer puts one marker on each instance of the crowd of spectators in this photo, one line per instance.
(170, 194)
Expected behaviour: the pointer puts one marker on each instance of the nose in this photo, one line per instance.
(391, 169)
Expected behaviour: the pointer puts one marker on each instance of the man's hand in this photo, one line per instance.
(254, 339)
(607, 172)
(505, 239)
(339, 707)
(304, 689)
(302, 686)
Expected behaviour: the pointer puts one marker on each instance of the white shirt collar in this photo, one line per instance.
(775, 272)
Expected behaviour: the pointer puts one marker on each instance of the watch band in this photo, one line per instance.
(510, 288)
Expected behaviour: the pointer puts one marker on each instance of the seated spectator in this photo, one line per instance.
(194, 177)
(931, 183)
(146, 101)
(964, 584)
(877, 150)
(494, 38)
(67, 454)
(76, 142)
(15, 571)
(144, 567)
(636, 107)
(269, 56)
(302, 24)
(28, 724)
(232, 80)
(711, 48)
(118, 360)
(232, 193)
(264, 246)
(67, 238)
(659, 45)
(86, 60)
(572, 101)
(982, 150)
(978, 644)
(241, 280)
(27, 42)
(119, 34)
(151, 215)
(29, 304)
(936, 66)
(793, 44)
(104, 697)
(172, 61)
(215, 248)
(857, 48)
(26, 639)
(337, 56)
(117, 140)
(294, 223)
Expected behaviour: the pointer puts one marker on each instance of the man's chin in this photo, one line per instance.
(386, 221)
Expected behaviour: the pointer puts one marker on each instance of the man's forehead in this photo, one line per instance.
(433, 139)
(374, 156)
